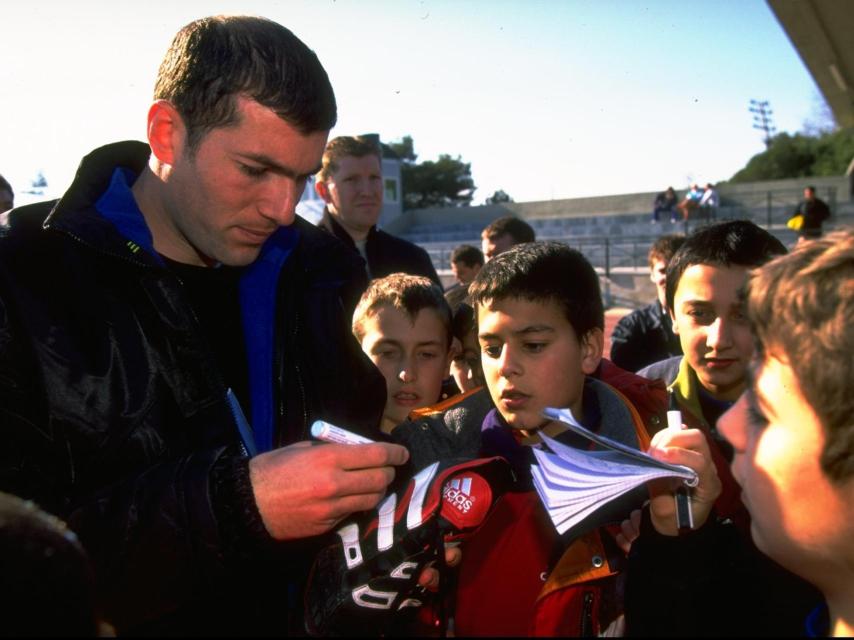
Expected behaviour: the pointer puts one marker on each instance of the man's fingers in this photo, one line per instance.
(364, 456)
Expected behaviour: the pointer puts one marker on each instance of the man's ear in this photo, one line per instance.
(167, 135)
(323, 191)
(592, 347)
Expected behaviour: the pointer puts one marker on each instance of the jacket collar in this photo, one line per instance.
(686, 388)
(334, 227)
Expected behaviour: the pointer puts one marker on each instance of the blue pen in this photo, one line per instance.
(243, 428)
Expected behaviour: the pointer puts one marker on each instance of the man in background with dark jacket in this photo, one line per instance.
(170, 286)
(351, 183)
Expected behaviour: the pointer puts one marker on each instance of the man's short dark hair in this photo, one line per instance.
(735, 243)
(544, 272)
(213, 60)
(344, 147)
(664, 248)
(468, 255)
(516, 228)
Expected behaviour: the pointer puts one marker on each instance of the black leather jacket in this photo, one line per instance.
(642, 337)
(386, 253)
(113, 414)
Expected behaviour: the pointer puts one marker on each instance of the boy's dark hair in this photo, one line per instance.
(48, 585)
(803, 305)
(468, 255)
(346, 146)
(664, 248)
(516, 228)
(406, 293)
(213, 60)
(735, 243)
(544, 272)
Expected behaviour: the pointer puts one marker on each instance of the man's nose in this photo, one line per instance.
(280, 200)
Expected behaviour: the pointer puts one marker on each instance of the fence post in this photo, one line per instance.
(607, 272)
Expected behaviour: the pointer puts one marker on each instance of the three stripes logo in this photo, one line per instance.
(457, 493)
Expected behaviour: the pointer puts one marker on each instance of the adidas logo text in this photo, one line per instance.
(456, 492)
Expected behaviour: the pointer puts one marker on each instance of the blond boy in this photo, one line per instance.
(403, 324)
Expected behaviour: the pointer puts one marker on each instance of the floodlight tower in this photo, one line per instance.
(762, 119)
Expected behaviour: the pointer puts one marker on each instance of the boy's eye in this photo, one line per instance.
(755, 416)
(701, 315)
(427, 355)
(254, 172)
(535, 347)
(492, 350)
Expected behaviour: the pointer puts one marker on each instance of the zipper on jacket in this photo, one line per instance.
(587, 616)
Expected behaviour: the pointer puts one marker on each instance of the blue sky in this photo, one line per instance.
(546, 99)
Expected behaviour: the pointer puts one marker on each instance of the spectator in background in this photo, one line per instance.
(7, 195)
(690, 202)
(646, 335)
(503, 233)
(466, 262)
(350, 181)
(664, 203)
(709, 203)
(814, 211)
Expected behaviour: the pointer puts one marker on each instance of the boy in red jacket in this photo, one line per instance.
(540, 328)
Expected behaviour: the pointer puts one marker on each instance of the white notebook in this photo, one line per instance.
(575, 483)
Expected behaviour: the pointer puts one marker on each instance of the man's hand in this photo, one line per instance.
(689, 448)
(305, 490)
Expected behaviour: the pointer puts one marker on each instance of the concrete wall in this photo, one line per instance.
(754, 194)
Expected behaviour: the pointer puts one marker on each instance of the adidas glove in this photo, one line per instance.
(367, 580)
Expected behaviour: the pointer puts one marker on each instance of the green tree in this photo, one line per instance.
(446, 182)
(499, 197)
(800, 156)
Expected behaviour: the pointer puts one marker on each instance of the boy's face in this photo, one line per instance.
(491, 247)
(463, 272)
(412, 356)
(712, 327)
(465, 362)
(532, 359)
(797, 516)
(658, 275)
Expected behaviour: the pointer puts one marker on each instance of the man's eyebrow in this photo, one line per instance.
(260, 158)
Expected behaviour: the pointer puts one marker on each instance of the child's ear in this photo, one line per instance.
(673, 323)
(592, 347)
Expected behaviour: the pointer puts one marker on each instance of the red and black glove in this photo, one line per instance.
(368, 579)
